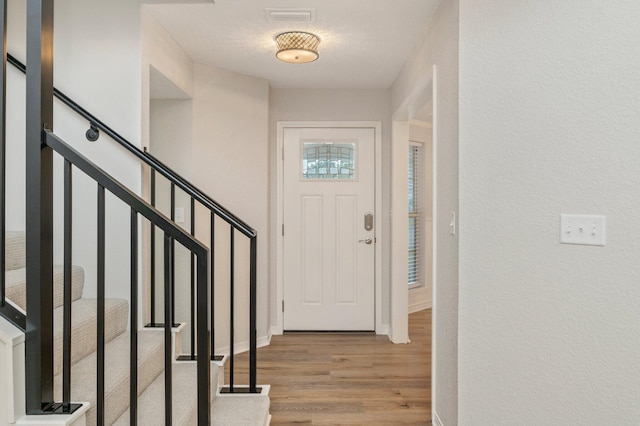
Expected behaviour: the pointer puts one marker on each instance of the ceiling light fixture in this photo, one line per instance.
(297, 47)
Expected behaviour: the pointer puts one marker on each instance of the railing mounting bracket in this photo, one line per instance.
(93, 133)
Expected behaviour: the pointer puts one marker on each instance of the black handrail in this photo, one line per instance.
(233, 220)
(147, 158)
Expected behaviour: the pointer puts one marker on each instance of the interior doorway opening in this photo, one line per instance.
(415, 124)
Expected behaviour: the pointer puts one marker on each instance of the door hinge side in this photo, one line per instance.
(283, 229)
(282, 153)
(283, 306)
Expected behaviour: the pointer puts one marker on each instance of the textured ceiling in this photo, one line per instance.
(364, 43)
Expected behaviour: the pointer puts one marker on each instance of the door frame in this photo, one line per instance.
(377, 127)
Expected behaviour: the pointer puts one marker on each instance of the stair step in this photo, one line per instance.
(184, 398)
(84, 327)
(16, 284)
(83, 374)
(14, 250)
(240, 410)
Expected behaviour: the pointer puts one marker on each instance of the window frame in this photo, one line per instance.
(418, 214)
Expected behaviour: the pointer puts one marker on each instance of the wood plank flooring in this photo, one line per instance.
(347, 379)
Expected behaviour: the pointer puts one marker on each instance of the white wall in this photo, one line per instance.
(163, 55)
(94, 64)
(230, 137)
(549, 107)
(167, 132)
(171, 135)
(440, 47)
(223, 152)
(331, 105)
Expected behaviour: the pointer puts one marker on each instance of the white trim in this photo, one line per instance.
(434, 251)
(436, 420)
(279, 261)
(400, 232)
(420, 123)
(400, 140)
(404, 114)
(12, 371)
(78, 418)
(419, 299)
(244, 346)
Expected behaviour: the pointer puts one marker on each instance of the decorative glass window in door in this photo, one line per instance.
(328, 160)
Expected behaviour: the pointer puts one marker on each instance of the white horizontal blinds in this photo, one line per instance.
(416, 214)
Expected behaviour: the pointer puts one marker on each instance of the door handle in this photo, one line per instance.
(366, 241)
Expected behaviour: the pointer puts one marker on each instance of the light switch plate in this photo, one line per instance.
(587, 230)
(179, 215)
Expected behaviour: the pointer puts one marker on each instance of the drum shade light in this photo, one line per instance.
(297, 47)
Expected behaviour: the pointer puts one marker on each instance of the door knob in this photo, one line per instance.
(366, 241)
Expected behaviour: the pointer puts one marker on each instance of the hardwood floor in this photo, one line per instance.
(354, 379)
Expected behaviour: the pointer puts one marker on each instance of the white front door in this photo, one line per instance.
(329, 254)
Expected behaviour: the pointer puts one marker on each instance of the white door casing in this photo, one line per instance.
(329, 255)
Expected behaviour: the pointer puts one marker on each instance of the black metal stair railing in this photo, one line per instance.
(172, 234)
(215, 209)
(37, 322)
(41, 146)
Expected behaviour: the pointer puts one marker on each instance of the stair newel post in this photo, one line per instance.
(39, 207)
(203, 359)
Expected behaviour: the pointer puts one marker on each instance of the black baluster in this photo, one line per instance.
(193, 283)
(168, 357)
(133, 355)
(212, 250)
(231, 310)
(101, 305)
(173, 257)
(67, 289)
(153, 252)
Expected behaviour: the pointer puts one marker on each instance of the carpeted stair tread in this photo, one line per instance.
(184, 398)
(84, 373)
(240, 410)
(16, 285)
(14, 245)
(84, 327)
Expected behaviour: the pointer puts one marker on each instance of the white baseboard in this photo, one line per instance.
(383, 330)
(244, 346)
(417, 307)
(276, 331)
(436, 420)
(420, 298)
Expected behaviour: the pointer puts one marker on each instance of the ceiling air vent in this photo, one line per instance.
(290, 15)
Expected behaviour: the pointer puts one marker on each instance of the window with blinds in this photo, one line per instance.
(416, 214)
